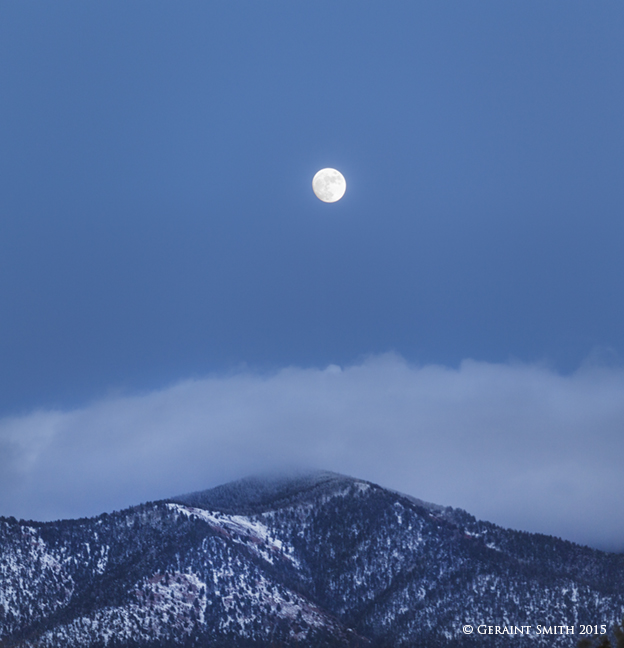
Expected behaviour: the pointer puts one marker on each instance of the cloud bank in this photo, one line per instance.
(519, 445)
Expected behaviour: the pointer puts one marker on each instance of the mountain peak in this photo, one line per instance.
(259, 493)
(315, 558)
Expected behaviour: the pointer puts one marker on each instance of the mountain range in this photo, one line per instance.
(316, 560)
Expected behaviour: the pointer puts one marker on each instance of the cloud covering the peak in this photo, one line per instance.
(520, 445)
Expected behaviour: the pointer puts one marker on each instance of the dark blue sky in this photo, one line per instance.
(156, 215)
(172, 292)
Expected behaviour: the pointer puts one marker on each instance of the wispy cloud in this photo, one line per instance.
(516, 444)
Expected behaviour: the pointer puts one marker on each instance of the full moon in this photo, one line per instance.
(329, 185)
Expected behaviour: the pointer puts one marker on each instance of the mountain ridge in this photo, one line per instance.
(276, 489)
(317, 557)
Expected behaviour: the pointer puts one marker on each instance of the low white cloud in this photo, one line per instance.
(516, 444)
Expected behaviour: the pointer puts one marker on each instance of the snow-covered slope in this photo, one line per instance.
(317, 560)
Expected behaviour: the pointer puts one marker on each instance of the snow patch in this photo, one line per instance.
(242, 530)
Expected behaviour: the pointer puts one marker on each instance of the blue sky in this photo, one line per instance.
(157, 223)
